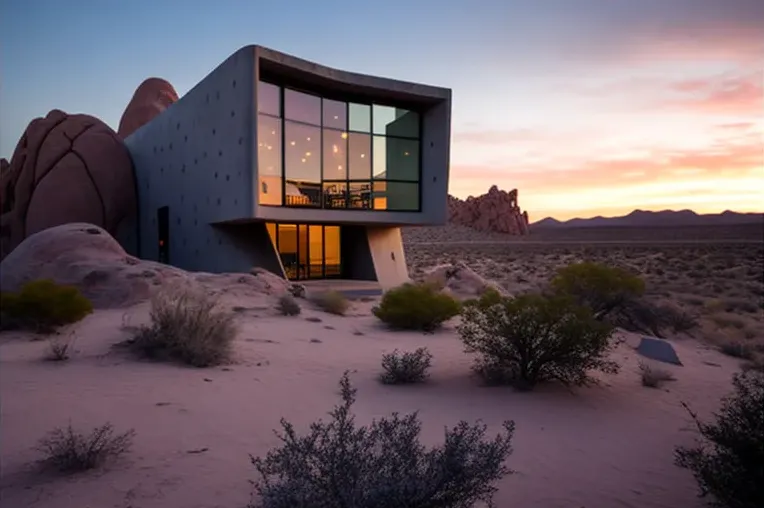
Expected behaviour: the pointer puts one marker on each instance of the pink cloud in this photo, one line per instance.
(736, 95)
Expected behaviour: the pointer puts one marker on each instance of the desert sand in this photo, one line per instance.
(604, 446)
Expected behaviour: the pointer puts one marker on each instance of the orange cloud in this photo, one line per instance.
(728, 174)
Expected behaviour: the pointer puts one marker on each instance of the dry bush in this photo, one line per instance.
(187, 326)
(59, 349)
(340, 464)
(43, 305)
(70, 451)
(333, 302)
(727, 460)
(653, 376)
(737, 350)
(405, 368)
(288, 306)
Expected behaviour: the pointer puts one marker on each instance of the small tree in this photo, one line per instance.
(728, 463)
(416, 307)
(339, 464)
(604, 289)
(533, 338)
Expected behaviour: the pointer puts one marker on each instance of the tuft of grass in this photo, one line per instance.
(68, 450)
(59, 349)
(405, 368)
(332, 302)
(654, 377)
(288, 306)
(188, 326)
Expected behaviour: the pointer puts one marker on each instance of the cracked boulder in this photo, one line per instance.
(65, 169)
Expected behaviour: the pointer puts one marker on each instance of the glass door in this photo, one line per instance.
(307, 251)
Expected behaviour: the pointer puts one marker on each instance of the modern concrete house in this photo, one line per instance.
(306, 171)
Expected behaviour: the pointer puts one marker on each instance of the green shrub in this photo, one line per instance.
(533, 338)
(340, 464)
(405, 368)
(186, 325)
(489, 297)
(333, 302)
(43, 305)
(604, 289)
(416, 307)
(288, 305)
(70, 451)
(727, 461)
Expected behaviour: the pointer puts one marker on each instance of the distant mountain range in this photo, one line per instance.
(642, 218)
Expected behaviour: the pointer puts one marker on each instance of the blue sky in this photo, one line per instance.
(586, 106)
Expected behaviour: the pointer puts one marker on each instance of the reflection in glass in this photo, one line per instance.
(288, 249)
(359, 195)
(316, 251)
(359, 156)
(269, 160)
(268, 99)
(398, 196)
(395, 122)
(335, 154)
(396, 158)
(332, 251)
(335, 194)
(302, 164)
(271, 227)
(335, 115)
(302, 107)
(360, 117)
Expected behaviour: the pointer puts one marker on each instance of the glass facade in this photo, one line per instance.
(321, 153)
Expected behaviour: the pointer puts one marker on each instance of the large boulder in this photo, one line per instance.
(66, 168)
(86, 256)
(496, 211)
(151, 97)
(459, 280)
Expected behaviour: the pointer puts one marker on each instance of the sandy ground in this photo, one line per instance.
(608, 446)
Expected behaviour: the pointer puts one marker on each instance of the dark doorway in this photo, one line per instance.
(308, 251)
(163, 227)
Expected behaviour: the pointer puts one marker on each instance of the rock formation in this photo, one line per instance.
(151, 97)
(66, 168)
(497, 211)
(87, 257)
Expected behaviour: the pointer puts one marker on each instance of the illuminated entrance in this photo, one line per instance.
(308, 251)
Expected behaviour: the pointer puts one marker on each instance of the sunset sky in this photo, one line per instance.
(586, 106)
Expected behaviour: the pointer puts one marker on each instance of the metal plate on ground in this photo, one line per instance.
(658, 350)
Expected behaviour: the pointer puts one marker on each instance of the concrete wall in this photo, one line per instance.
(197, 159)
(386, 246)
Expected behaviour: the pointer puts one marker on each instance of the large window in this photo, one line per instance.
(322, 153)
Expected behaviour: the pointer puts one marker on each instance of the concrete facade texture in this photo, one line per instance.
(199, 159)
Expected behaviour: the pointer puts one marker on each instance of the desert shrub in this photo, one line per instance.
(535, 338)
(727, 460)
(654, 377)
(602, 288)
(288, 306)
(416, 307)
(186, 325)
(332, 302)
(737, 350)
(340, 464)
(490, 296)
(678, 320)
(59, 349)
(43, 305)
(69, 451)
(405, 368)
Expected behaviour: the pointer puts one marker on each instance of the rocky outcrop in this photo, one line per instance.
(497, 211)
(459, 280)
(66, 168)
(151, 97)
(87, 257)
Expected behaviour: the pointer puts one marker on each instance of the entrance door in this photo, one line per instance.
(307, 251)
(163, 229)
